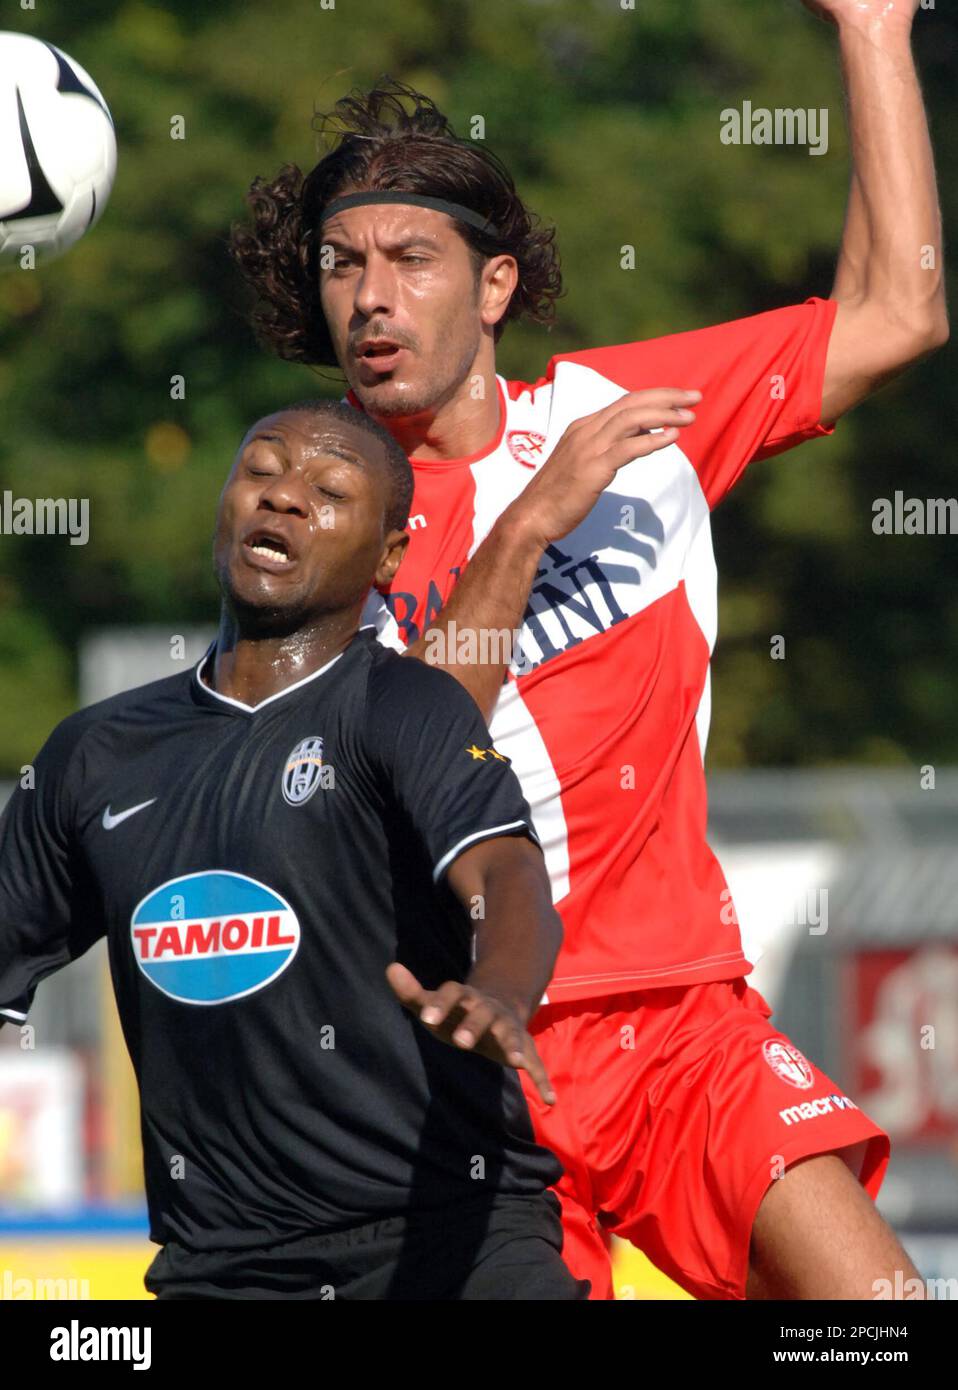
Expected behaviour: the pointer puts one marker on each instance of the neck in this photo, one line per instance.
(252, 667)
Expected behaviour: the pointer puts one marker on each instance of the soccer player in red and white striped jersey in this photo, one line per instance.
(573, 513)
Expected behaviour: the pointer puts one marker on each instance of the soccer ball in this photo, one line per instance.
(57, 150)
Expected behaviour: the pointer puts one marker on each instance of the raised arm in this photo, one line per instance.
(889, 282)
(491, 596)
(493, 592)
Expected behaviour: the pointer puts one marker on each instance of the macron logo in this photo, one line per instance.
(110, 822)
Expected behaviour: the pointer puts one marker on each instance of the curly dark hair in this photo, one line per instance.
(389, 138)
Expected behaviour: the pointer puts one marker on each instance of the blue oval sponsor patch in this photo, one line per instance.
(209, 937)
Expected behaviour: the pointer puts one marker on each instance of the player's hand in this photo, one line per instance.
(590, 453)
(861, 11)
(472, 1020)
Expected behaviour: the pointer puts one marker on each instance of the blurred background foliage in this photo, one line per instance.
(610, 121)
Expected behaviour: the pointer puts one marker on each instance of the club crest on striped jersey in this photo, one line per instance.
(303, 770)
(526, 446)
(213, 936)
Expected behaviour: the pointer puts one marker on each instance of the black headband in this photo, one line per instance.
(419, 200)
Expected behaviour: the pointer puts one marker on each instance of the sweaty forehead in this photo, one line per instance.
(305, 436)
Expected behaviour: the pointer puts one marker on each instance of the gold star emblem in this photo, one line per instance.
(500, 756)
(478, 754)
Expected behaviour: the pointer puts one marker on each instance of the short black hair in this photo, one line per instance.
(398, 467)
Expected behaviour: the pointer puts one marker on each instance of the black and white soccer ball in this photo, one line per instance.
(57, 150)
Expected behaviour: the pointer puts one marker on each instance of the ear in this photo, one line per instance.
(500, 276)
(394, 547)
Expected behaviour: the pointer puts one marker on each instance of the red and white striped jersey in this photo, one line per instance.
(605, 711)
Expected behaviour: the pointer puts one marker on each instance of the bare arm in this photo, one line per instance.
(889, 280)
(492, 594)
(517, 941)
(519, 932)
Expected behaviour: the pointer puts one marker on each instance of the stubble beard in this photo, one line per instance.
(429, 397)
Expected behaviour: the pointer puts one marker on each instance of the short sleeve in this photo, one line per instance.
(47, 913)
(761, 380)
(426, 737)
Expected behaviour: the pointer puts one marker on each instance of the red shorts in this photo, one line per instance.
(677, 1109)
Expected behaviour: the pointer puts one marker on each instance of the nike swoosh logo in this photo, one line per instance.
(109, 822)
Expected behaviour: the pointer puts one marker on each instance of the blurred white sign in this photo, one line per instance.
(41, 1128)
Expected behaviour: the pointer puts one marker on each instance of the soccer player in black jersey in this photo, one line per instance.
(327, 915)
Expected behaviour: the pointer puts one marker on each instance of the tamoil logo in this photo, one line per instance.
(210, 937)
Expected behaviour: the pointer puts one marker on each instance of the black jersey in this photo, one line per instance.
(255, 870)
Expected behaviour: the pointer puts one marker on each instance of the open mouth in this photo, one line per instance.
(377, 348)
(378, 355)
(269, 547)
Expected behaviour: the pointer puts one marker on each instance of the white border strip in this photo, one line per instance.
(238, 704)
(13, 1014)
(447, 859)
